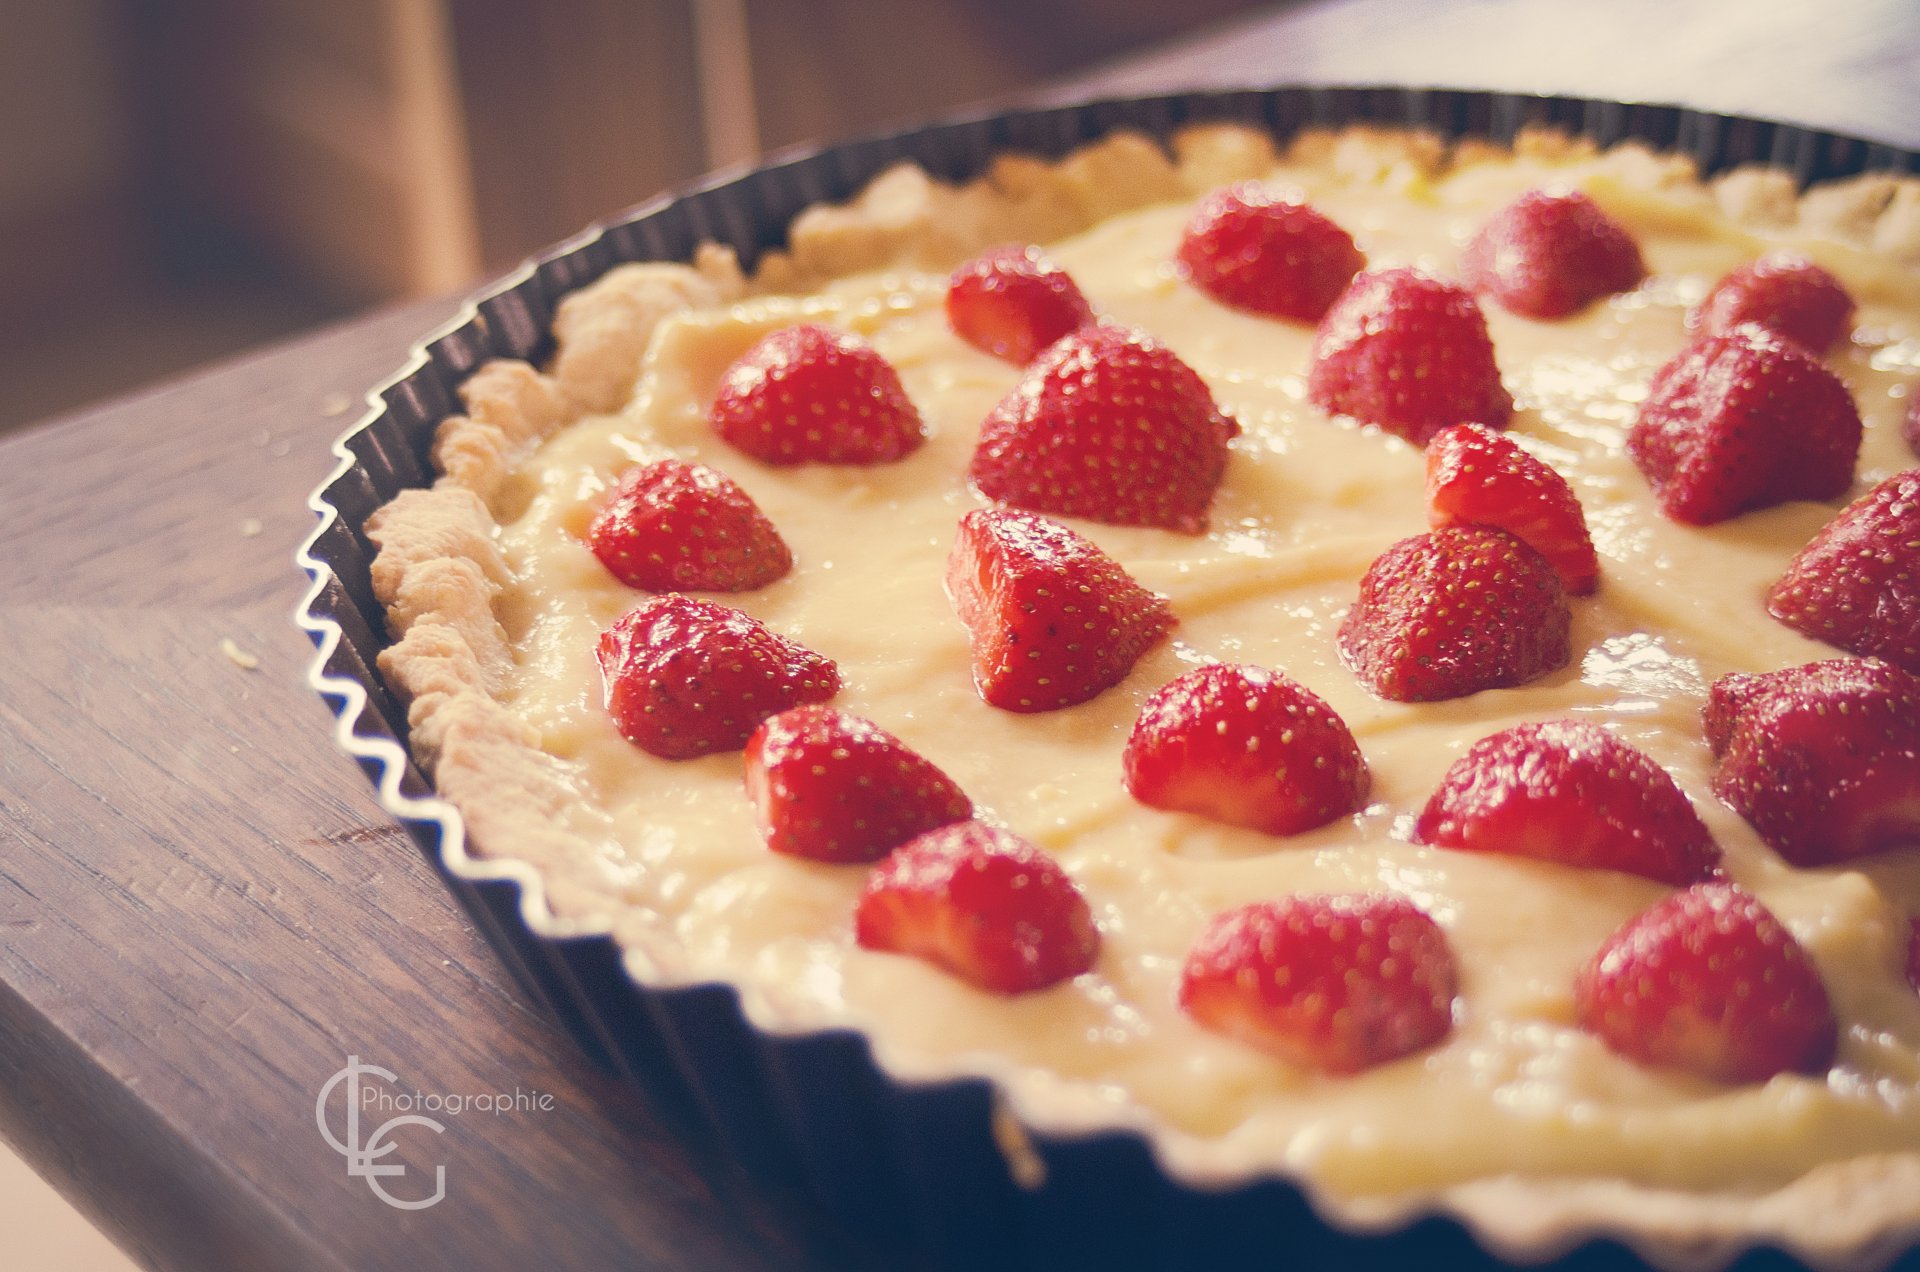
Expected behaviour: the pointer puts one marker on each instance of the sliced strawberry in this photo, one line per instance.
(1741, 421)
(1108, 424)
(833, 787)
(1410, 353)
(1856, 585)
(1252, 249)
(1551, 253)
(1476, 476)
(983, 904)
(671, 526)
(1013, 302)
(1447, 614)
(812, 395)
(1822, 760)
(1248, 747)
(1336, 983)
(1785, 293)
(1052, 619)
(1709, 982)
(1572, 793)
(686, 677)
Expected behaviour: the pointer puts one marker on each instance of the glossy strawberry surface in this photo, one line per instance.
(1246, 746)
(1708, 981)
(1256, 250)
(831, 786)
(982, 904)
(1108, 424)
(811, 395)
(1784, 292)
(671, 526)
(1476, 476)
(1551, 253)
(1856, 585)
(1013, 302)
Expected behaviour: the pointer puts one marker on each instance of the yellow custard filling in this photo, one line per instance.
(1306, 504)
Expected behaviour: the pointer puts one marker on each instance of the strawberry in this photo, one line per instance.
(1787, 294)
(1569, 792)
(809, 394)
(1245, 746)
(1408, 352)
(1740, 421)
(1551, 253)
(1251, 249)
(1476, 476)
(1052, 619)
(833, 787)
(1110, 425)
(1857, 583)
(1822, 760)
(1709, 982)
(983, 904)
(1455, 611)
(1013, 302)
(671, 526)
(1337, 983)
(686, 677)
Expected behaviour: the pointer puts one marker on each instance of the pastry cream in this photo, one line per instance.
(668, 853)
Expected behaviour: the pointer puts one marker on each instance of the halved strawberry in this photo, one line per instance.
(1337, 983)
(671, 526)
(983, 904)
(1551, 253)
(1245, 746)
(1710, 982)
(1476, 476)
(1108, 424)
(1250, 248)
(1410, 353)
(1447, 614)
(1052, 620)
(812, 395)
(1856, 585)
(1013, 302)
(1785, 293)
(1569, 792)
(686, 677)
(1822, 760)
(1740, 421)
(834, 787)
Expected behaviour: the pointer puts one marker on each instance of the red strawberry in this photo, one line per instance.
(1476, 476)
(983, 904)
(687, 677)
(1337, 983)
(808, 394)
(1787, 294)
(1822, 760)
(1741, 421)
(1708, 981)
(671, 526)
(1447, 614)
(1251, 249)
(1408, 352)
(1857, 583)
(1013, 302)
(1052, 619)
(833, 787)
(1573, 793)
(1248, 747)
(1110, 425)
(1551, 253)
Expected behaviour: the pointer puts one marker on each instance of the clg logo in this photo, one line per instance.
(363, 1159)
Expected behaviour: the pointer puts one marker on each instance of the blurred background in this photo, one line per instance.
(182, 179)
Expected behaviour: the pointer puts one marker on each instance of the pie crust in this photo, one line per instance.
(441, 568)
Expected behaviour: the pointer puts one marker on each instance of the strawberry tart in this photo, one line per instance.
(1389, 664)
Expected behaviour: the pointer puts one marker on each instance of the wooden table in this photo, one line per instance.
(202, 911)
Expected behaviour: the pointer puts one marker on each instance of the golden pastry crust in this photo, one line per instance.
(439, 572)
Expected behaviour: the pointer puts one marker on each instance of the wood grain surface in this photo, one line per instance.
(202, 911)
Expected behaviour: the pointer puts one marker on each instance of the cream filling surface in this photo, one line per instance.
(1306, 504)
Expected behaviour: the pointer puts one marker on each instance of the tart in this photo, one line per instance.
(1519, 1117)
